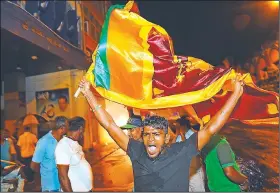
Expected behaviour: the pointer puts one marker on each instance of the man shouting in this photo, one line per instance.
(157, 167)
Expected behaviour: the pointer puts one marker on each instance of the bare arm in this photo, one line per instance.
(63, 178)
(217, 122)
(8, 170)
(104, 118)
(234, 175)
(227, 161)
(35, 166)
(13, 153)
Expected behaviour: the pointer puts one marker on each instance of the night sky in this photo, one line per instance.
(205, 29)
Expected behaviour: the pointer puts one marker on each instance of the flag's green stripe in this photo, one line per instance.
(101, 70)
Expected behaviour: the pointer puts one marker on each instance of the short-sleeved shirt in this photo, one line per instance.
(27, 142)
(7, 150)
(187, 135)
(69, 152)
(168, 172)
(44, 154)
(218, 158)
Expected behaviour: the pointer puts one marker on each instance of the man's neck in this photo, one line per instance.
(56, 135)
(140, 139)
(72, 137)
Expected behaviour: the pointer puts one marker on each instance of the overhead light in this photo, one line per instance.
(59, 68)
(34, 57)
(18, 68)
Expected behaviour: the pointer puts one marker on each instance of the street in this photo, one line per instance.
(260, 144)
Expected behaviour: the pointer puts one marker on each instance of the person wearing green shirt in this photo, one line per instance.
(223, 173)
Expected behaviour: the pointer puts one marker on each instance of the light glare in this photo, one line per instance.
(34, 57)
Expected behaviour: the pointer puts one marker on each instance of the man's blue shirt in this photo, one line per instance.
(187, 135)
(5, 153)
(44, 154)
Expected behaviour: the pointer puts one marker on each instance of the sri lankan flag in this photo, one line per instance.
(135, 65)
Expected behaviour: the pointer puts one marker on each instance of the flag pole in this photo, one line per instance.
(8, 162)
(77, 93)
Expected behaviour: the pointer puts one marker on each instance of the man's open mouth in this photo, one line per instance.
(152, 149)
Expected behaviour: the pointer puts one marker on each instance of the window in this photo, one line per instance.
(86, 27)
(91, 25)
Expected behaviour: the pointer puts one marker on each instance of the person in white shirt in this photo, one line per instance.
(74, 171)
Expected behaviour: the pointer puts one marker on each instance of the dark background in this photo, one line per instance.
(206, 30)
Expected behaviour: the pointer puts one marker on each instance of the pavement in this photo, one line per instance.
(261, 144)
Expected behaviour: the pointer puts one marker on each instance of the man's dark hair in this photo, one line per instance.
(184, 122)
(156, 122)
(76, 123)
(60, 121)
(63, 97)
(196, 127)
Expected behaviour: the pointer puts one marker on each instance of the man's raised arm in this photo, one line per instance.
(218, 121)
(103, 117)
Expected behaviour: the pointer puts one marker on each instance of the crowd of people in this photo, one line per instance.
(160, 166)
(263, 66)
(57, 157)
(165, 156)
(159, 163)
(16, 155)
(187, 159)
(195, 159)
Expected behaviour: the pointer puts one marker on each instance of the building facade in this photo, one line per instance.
(48, 47)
